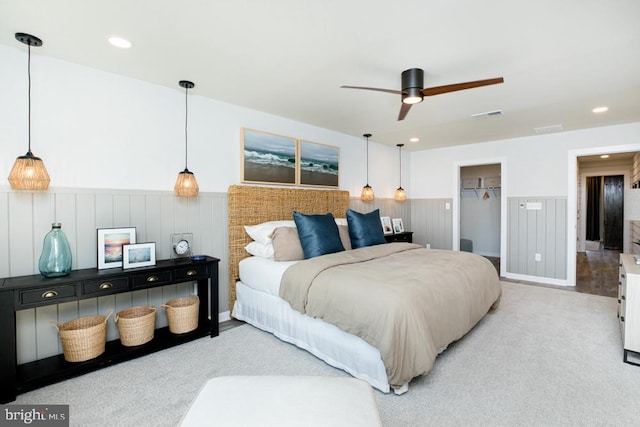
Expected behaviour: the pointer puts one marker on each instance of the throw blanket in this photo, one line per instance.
(407, 301)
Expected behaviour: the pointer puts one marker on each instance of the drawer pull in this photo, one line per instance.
(192, 273)
(622, 318)
(49, 294)
(623, 298)
(622, 275)
(152, 279)
(106, 285)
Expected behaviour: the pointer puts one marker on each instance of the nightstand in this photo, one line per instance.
(405, 236)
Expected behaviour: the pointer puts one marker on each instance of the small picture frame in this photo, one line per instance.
(138, 255)
(398, 227)
(386, 225)
(110, 242)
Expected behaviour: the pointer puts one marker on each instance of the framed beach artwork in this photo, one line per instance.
(398, 226)
(110, 242)
(268, 158)
(138, 255)
(319, 164)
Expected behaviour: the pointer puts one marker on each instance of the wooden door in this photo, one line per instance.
(613, 211)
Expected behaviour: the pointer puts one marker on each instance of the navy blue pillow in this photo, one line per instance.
(365, 229)
(318, 234)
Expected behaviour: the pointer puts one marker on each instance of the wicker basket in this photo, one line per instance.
(136, 325)
(183, 314)
(83, 338)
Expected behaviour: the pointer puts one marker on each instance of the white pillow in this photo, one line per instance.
(261, 250)
(261, 232)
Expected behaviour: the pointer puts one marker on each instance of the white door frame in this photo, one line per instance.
(502, 161)
(572, 198)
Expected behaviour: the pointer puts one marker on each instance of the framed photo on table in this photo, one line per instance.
(110, 242)
(398, 227)
(386, 225)
(138, 255)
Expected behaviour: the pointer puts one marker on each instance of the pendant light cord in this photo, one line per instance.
(400, 157)
(29, 94)
(186, 117)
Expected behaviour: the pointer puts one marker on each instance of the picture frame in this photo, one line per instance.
(268, 158)
(318, 165)
(138, 255)
(387, 228)
(398, 227)
(110, 242)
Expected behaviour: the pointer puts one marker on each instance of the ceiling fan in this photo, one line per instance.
(413, 90)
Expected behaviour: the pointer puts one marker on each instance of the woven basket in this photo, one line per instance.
(136, 325)
(183, 314)
(83, 338)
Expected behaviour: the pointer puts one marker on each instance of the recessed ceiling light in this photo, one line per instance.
(119, 42)
(604, 156)
(600, 109)
(414, 139)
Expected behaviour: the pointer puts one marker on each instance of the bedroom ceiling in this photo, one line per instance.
(559, 60)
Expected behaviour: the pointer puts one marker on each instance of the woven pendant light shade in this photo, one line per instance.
(186, 184)
(367, 192)
(400, 195)
(29, 173)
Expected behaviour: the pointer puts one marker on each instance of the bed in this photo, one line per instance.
(395, 352)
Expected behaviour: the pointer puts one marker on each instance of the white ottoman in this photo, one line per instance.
(283, 401)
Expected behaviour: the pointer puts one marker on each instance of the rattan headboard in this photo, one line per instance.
(249, 205)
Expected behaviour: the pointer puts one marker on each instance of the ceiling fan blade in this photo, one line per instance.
(404, 109)
(437, 90)
(396, 92)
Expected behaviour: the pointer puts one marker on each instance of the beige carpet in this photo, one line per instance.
(546, 357)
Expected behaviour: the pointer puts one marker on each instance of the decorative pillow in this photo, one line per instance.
(318, 234)
(260, 232)
(260, 249)
(343, 230)
(365, 229)
(286, 244)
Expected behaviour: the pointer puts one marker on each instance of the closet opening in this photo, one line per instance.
(480, 211)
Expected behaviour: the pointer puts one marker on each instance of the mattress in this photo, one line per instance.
(263, 274)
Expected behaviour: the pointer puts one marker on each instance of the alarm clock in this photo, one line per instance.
(181, 245)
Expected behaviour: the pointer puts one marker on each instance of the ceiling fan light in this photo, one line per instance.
(412, 95)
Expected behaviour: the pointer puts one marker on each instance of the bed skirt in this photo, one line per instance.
(325, 341)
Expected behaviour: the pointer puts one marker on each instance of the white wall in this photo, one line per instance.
(536, 165)
(104, 131)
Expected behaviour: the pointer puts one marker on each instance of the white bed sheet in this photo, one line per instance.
(325, 341)
(263, 274)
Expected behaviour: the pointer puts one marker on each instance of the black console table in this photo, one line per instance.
(18, 293)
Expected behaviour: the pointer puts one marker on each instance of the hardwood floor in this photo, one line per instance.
(597, 272)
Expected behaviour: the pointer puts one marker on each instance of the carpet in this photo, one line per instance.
(545, 357)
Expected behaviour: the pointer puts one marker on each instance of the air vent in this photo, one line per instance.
(487, 114)
(548, 129)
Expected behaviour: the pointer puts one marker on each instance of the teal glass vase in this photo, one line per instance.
(55, 260)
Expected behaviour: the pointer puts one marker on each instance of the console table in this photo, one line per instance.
(17, 293)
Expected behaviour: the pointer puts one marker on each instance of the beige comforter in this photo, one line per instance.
(407, 301)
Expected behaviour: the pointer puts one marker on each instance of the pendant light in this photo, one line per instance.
(29, 172)
(186, 184)
(367, 192)
(400, 195)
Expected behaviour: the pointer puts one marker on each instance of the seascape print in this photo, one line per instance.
(319, 164)
(268, 158)
(113, 246)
